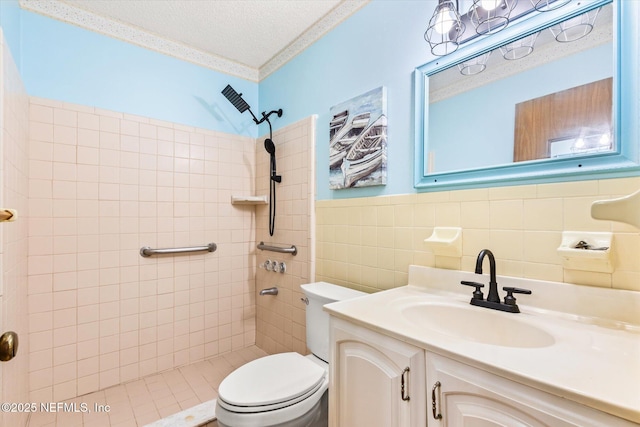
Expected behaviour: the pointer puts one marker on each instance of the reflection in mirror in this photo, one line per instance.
(545, 96)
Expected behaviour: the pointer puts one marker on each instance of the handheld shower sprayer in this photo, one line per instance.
(271, 149)
(236, 100)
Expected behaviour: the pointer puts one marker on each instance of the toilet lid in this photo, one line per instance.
(271, 380)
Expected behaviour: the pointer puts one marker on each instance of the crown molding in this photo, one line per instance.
(130, 34)
(108, 27)
(325, 24)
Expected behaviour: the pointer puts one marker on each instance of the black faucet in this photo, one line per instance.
(493, 284)
(493, 299)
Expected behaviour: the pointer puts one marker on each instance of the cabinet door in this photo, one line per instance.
(375, 380)
(463, 396)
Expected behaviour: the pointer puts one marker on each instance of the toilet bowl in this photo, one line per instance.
(286, 389)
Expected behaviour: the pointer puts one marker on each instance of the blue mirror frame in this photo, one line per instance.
(624, 161)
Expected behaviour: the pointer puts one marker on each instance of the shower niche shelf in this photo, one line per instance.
(249, 200)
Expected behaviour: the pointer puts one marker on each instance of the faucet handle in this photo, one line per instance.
(510, 299)
(477, 294)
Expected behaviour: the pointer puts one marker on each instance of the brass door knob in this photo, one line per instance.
(8, 346)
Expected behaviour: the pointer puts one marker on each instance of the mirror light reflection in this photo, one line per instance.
(545, 96)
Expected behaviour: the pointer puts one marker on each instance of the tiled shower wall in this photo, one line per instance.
(281, 319)
(103, 184)
(369, 243)
(14, 125)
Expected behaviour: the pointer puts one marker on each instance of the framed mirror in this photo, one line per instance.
(549, 98)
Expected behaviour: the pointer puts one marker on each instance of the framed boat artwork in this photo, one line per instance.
(358, 141)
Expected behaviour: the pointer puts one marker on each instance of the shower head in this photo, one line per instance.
(270, 146)
(236, 99)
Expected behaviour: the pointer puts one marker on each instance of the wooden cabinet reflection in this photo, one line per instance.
(582, 111)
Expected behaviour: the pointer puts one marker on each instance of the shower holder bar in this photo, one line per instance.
(146, 251)
(290, 250)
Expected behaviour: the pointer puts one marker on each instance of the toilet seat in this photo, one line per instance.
(271, 383)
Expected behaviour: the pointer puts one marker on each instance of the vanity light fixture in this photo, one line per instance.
(474, 65)
(589, 141)
(548, 5)
(491, 16)
(519, 48)
(445, 28)
(575, 28)
(449, 29)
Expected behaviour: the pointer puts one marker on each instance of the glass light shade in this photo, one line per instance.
(592, 143)
(445, 28)
(490, 4)
(491, 16)
(605, 140)
(444, 21)
(475, 65)
(519, 48)
(575, 28)
(548, 5)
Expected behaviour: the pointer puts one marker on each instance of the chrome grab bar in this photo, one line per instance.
(146, 251)
(291, 250)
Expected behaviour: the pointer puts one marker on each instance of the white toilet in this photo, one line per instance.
(286, 389)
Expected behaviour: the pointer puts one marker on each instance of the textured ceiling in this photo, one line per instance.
(247, 33)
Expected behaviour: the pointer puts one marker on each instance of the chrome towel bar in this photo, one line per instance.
(290, 250)
(146, 251)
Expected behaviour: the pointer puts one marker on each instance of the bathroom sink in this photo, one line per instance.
(477, 324)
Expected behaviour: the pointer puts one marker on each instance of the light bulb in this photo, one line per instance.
(579, 143)
(444, 21)
(490, 4)
(605, 139)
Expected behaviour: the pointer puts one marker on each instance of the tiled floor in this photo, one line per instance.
(146, 400)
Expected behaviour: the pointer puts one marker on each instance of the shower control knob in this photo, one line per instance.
(282, 267)
(266, 265)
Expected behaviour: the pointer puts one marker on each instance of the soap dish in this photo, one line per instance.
(586, 251)
(445, 241)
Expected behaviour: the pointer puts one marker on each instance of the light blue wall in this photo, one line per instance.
(67, 63)
(380, 45)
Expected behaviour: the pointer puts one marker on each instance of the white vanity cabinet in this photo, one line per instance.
(463, 396)
(375, 380)
(575, 365)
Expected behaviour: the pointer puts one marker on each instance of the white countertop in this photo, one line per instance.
(595, 359)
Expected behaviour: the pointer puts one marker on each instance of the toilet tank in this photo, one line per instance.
(319, 294)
